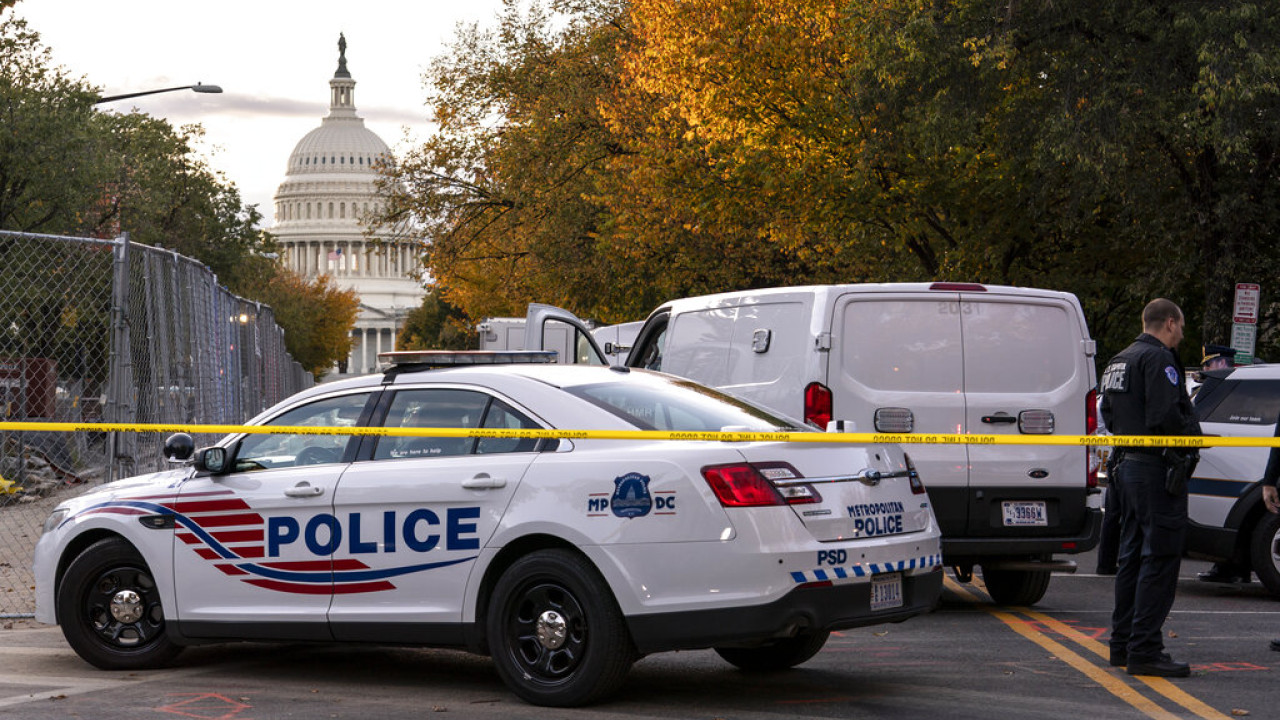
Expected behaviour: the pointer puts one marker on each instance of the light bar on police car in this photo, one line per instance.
(452, 358)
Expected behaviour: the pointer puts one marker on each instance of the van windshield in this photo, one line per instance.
(682, 406)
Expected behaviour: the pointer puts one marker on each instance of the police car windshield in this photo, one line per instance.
(679, 405)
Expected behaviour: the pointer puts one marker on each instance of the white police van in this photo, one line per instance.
(917, 358)
(565, 558)
(1229, 522)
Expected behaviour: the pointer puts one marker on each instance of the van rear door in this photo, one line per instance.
(551, 328)
(897, 365)
(1028, 371)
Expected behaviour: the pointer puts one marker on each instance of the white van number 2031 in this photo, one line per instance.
(959, 308)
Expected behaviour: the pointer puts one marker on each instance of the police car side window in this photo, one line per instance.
(1243, 403)
(501, 416)
(446, 408)
(268, 451)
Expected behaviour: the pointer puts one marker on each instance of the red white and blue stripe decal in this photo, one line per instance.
(865, 569)
(222, 529)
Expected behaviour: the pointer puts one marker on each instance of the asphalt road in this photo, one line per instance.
(969, 659)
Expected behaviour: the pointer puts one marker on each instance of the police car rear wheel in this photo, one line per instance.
(1265, 552)
(1016, 587)
(110, 611)
(777, 655)
(557, 636)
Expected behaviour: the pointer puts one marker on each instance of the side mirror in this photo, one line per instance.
(179, 447)
(212, 460)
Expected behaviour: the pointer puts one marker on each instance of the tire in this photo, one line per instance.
(129, 636)
(1264, 551)
(555, 632)
(1016, 587)
(777, 655)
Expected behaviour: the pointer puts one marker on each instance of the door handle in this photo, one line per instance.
(304, 489)
(999, 418)
(484, 482)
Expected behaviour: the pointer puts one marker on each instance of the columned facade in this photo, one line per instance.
(327, 192)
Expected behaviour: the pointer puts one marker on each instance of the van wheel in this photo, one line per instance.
(777, 655)
(555, 632)
(1265, 551)
(110, 612)
(1016, 587)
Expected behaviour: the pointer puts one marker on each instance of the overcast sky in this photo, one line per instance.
(272, 58)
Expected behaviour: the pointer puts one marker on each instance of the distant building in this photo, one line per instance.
(328, 188)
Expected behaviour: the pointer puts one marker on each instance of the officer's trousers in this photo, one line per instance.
(1152, 535)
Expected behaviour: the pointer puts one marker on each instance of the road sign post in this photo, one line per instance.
(1244, 316)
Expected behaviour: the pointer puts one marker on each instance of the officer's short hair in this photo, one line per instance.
(1158, 311)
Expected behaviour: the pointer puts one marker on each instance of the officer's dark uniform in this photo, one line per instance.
(1144, 393)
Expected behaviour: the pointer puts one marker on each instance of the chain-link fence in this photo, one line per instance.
(108, 330)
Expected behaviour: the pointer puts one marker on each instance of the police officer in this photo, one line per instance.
(1271, 495)
(1219, 357)
(1144, 393)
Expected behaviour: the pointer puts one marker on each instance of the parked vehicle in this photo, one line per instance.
(918, 358)
(1229, 522)
(565, 560)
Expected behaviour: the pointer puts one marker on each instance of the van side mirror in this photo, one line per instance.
(212, 460)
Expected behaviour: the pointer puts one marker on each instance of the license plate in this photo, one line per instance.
(886, 591)
(1025, 513)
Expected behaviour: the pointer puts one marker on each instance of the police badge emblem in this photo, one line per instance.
(1171, 373)
(631, 498)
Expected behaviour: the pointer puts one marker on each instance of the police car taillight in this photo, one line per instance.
(747, 485)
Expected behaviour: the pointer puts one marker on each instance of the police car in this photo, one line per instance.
(565, 559)
(1229, 522)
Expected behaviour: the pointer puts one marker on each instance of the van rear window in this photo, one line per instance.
(950, 345)
(1018, 347)
(902, 345)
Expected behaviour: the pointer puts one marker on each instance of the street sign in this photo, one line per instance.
(1243, 337)
(1248, 297)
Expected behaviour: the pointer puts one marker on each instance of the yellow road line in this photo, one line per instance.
(1160, 685)
(1113, 684)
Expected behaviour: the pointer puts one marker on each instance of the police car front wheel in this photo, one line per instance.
(556, 634)
(110, 611)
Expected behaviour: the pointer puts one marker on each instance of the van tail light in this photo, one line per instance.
(1035, 422)
(752, 485)
(1092, 458)
(894, 420)
(917, 485)
(817, 404)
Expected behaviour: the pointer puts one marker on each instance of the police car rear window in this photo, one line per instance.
(679, 406)
(1241, 403)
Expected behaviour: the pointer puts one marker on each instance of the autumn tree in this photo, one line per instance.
(436, 325)
(317, 317)
(624, 153)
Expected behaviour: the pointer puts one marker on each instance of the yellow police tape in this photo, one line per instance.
(732, 436)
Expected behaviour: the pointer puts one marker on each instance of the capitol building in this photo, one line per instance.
(328, 188)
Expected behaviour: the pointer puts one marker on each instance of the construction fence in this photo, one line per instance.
(109, 331)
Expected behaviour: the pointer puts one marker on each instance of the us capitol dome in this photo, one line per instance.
(327, 190)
